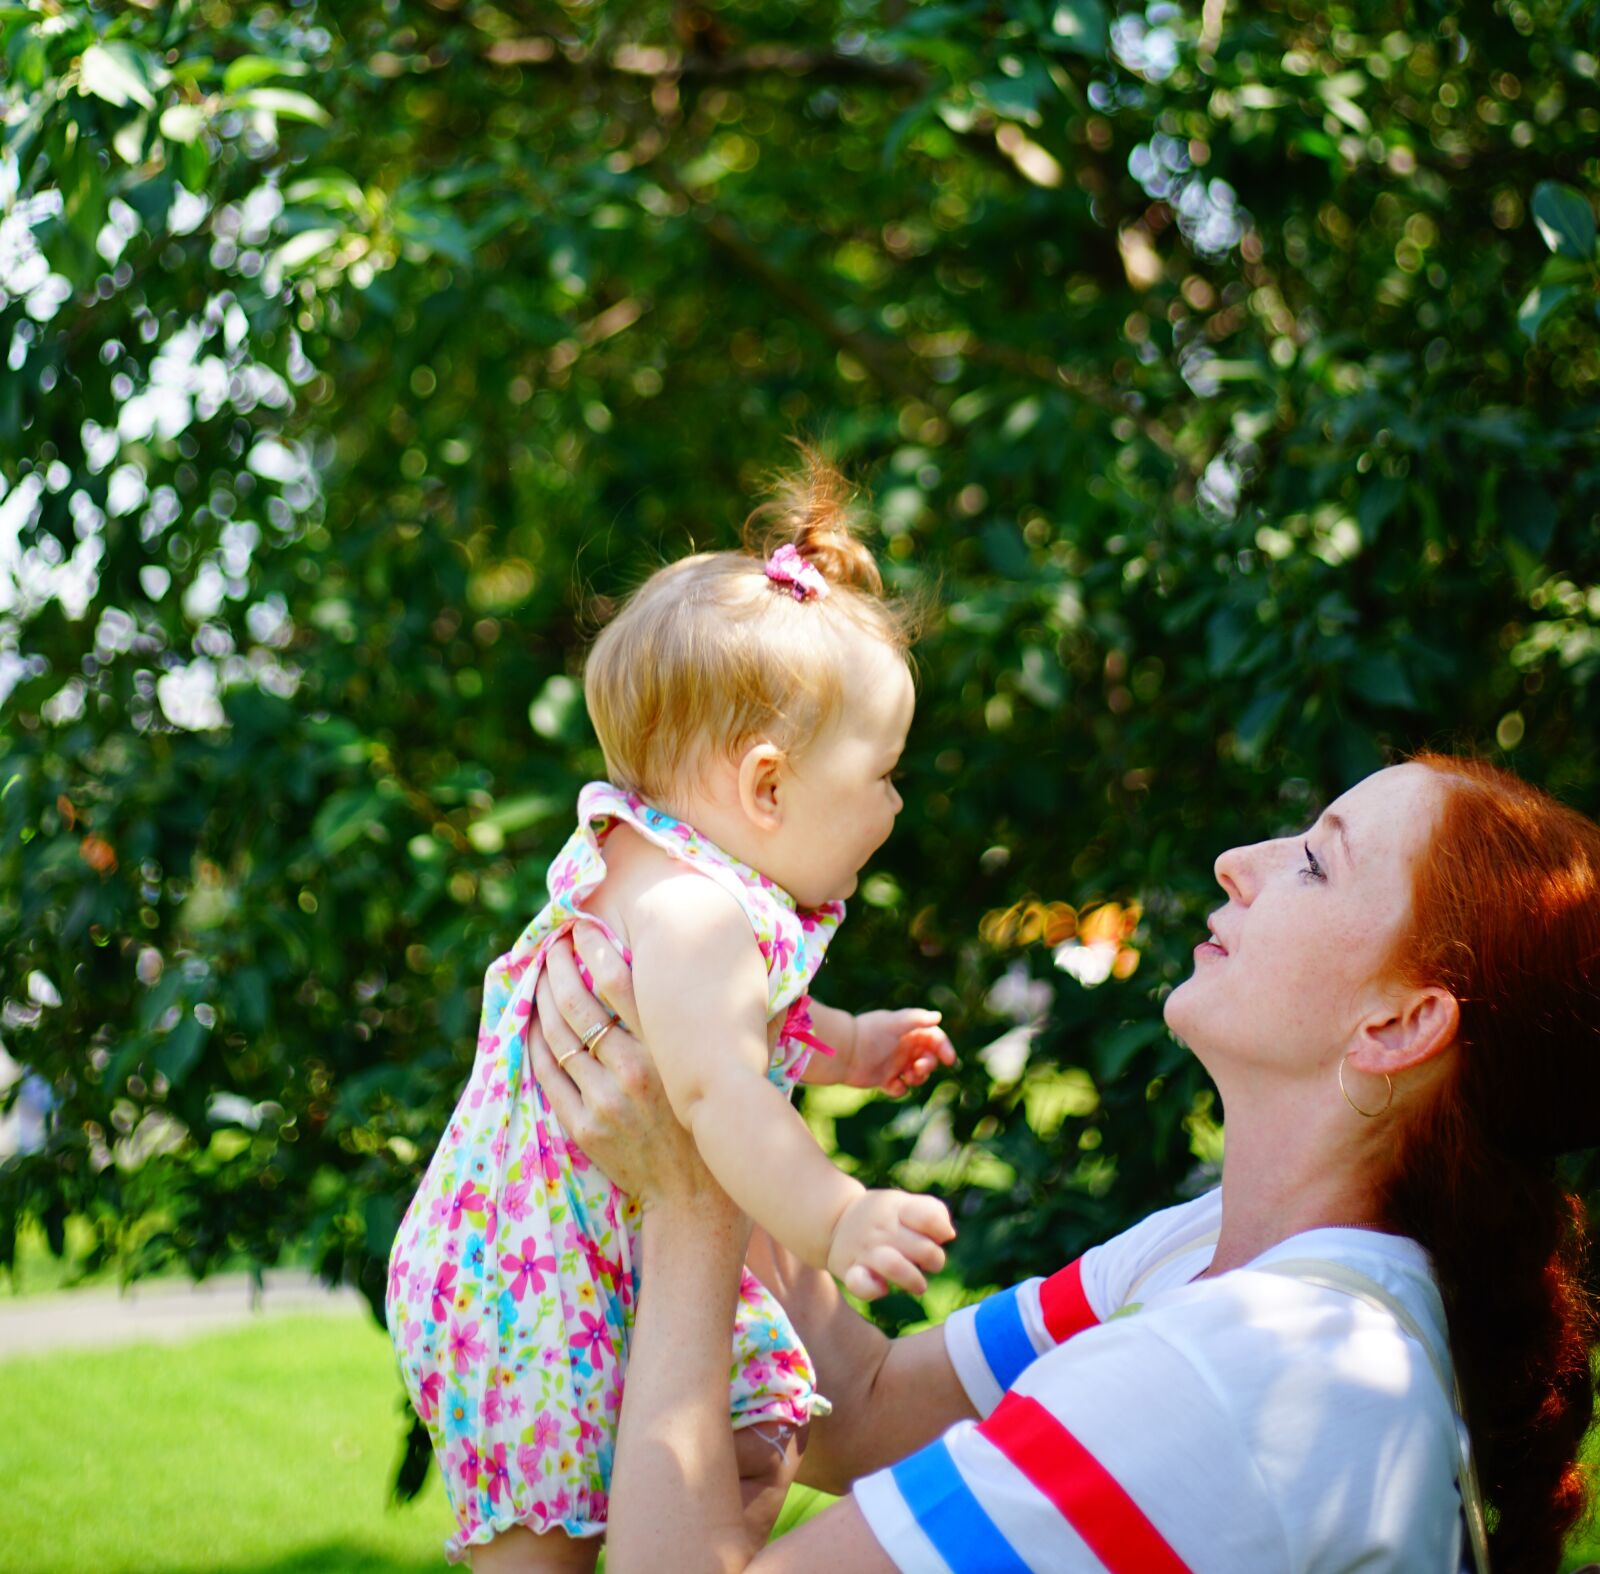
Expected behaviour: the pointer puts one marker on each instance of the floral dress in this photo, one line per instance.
(514, 1275)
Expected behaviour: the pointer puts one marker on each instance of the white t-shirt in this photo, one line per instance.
(1250, 1422)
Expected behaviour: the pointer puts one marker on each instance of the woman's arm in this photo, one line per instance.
(674, 1506)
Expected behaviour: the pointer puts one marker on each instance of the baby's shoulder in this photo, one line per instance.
(664, 893)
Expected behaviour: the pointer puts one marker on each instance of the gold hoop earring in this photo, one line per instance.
(1366, 1114)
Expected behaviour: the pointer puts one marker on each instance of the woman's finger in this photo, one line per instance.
(613, 978)
(560, 1038)
(574, 1001)
(559, 1088)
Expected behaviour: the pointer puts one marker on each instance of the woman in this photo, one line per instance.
(1401, 1010)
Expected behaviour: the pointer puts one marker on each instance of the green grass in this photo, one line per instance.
(264, 1450)
(267, 1449)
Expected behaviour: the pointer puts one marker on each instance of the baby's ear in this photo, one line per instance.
(761, 769)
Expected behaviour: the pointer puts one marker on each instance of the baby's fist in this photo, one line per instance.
(898, 1050)
(889, 1237)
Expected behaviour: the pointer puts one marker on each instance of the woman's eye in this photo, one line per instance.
(1312, 870)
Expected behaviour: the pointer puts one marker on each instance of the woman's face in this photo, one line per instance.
(1299, 955)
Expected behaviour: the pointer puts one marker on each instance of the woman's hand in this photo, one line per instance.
(610, 1100)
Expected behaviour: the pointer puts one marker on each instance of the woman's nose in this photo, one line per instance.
(1235, 872)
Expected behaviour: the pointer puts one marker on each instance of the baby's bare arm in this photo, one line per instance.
(701, 988)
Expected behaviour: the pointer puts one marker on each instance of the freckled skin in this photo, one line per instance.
(1306, 956)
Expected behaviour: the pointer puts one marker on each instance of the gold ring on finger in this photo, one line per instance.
(597, 1031)
(561, 1060)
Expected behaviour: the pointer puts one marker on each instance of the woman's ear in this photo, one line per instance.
(760, 774)
(1416, 1027)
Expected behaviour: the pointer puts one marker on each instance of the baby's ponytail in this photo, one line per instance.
(813, 510)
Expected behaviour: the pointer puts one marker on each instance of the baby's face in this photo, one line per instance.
(839, 797)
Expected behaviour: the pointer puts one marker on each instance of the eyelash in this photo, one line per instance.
(1313, 869)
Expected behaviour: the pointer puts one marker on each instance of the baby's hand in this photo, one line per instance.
(889, 1237)
(896, 1050)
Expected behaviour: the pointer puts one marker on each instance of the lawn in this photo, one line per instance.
(264, 1450)
(267, 1449)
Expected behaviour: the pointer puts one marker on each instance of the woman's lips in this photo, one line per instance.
(1209, 948)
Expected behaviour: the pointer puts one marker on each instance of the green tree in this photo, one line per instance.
(1231, 373)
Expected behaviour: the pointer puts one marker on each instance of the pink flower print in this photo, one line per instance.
(469, 1465)
(515, 1202)
(592, 1337)
(488, 1041)
(476, 1101)
(758, 1371)
(428, 1400)
(466, 1346)
(417, 1283)
(529, 1268)
(546, 1155)
(499, 1475)
(781, 951)
(497, 1091)
(467, 1200)
(492, 1217)
(444, 1290)
(546, 1431)
(397, 1271)
(560, 1503)
(493, 1405)
(514, 1406)
(788, 1362)
(413, 1333)
(600, 1266)
(587, 1431)
(528, 1463)
(614, 1391)
(563, 879)
(438, 1210)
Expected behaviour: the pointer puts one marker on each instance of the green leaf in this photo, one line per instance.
(282, 101)
(1529, 514)
(1381, 680)
(1538, 305)
(1227, 634)
(121, 74)
(344, 817)
(248, 70)
(1564, 219)
(176, 1054)
(1259, 721)
(1379, 499)
(1080, 25)
(182, 122)
(1114, 1051)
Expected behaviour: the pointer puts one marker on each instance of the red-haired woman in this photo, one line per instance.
(1401, 1010)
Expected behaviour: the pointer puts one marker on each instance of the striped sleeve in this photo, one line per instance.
(993, 1342)
(1110, 1456)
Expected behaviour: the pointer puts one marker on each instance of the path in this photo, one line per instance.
(164, 1310)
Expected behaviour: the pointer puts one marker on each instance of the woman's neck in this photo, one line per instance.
(1282, 1175)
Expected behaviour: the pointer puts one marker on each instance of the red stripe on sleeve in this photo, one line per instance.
(1066, 1308)
(1089, 1497)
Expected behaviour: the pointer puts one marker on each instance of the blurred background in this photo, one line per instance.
(1227, 373)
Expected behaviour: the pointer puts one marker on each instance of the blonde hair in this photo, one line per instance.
(710, 654)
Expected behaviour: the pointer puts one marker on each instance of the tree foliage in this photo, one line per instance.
(1228, 373)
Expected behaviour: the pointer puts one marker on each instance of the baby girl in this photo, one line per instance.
(752, 708)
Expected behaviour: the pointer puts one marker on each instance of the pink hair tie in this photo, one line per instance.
(804, 580)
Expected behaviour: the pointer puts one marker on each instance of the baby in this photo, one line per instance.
(752, 709)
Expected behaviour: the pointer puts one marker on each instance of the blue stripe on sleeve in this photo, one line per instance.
(1003, 1338)
(951, 1516)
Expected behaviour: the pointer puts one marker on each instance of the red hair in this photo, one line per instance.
(1506, 916)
